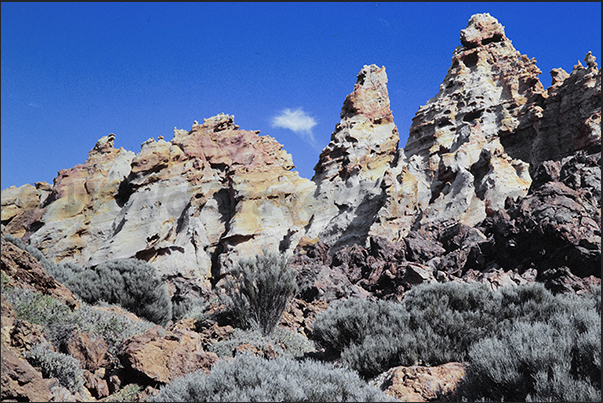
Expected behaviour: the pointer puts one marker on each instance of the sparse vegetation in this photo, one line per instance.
(284, 342)
(61, 366)
(60, 323)
(258, 291)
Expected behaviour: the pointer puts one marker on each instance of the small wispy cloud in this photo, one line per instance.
(298, 122)
(34, 105)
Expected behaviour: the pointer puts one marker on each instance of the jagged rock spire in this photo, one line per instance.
(351, 168)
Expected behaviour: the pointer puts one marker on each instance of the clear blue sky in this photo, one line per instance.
(74, 72)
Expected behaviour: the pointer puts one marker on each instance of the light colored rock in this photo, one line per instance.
(85, 203)
(353, 167)
(190, 206)
(490, 89)
(571, 119)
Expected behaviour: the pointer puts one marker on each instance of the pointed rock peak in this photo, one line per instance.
(370, 97)
(103, 145)
(591, 61)
(481, 30)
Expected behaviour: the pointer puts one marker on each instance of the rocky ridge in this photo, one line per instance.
(490, 141)
(499, 183)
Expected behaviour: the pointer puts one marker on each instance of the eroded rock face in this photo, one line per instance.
(353, 166)
(490, 89)
(491, 159)
(21, 208)
(189, 206)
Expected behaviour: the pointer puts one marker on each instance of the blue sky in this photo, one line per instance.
(74, 72)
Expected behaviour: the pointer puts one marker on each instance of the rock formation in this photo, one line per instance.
(352, 167)
(185, 205)
(434, 211)
(499, 183)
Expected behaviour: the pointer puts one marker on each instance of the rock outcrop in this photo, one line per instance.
(421, 384)
(161, 356)
(189, 205)
(353, 166)
(490, 154)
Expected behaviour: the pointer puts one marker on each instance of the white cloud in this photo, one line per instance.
(298, 122)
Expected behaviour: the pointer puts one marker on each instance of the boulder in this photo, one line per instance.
(161, 356)
(421, 384)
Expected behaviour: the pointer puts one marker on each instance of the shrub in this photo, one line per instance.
(59, 322)
(285, 343)
(130, 283)
(439, 323)
(351, 321)
(259, 290)
(193, 308)
(64, 367)
(111, 327)
(56, 318)
(538, 361)
(255, 379)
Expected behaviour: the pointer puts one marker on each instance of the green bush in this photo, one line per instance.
(259, 290)
(254, 379)
(130, 283)
(65, 368)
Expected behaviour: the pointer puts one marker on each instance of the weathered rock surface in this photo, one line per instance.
(499, 182)
(21, 208)
(162, 356)
(421, 384)
(353, 166)
(91, 350)
(25, 271)
(189, 205)
(20, 381)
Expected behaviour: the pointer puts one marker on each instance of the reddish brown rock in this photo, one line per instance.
(162, 356)
(20, 381)
(91, 350)
(421, 384)
(26, 271)
(25, 335)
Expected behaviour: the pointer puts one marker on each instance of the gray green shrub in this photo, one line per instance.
(130, 283)
(286, 343)
(557, 360)
(60, 323)
(439, 323)
(254, 379)
(258, 291)
(65, 368)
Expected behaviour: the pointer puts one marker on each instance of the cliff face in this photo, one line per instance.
(493, 160)
(186, 205)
